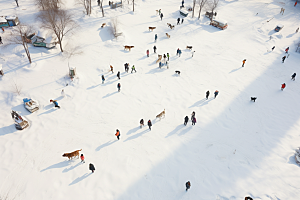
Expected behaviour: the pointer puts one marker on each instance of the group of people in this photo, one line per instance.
(142, 123)
(91, 166)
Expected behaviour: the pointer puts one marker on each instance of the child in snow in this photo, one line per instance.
(165, 57)
(147, 52)
(182, 21)
(207, 94)
(178, 21)
(283, 86)
(119, 87)
(55, 103)
(187, 185)
(155, 37)
(186, 119)
(283, 58)
(112, 69)
(194, 121)
(141, 123)
(244, 62)
(82, 158)
(118, 74)
(273, 48)
(168, 56)
(149, 124)
(216, 93)
(92, 168)
(161, 16)
(287, 50)
(293, 76)
(154, 48)
(118, 134)
(103, 79)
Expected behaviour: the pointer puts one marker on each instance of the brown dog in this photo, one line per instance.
(72, 155)
(104, 24)
(152, 28)
(160, 115)
(189, 47)
(159, 58)
(168, 35)
(128, 47)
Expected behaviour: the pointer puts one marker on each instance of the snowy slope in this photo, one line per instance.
(236, 148)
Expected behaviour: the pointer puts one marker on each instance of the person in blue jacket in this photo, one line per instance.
(55, 103)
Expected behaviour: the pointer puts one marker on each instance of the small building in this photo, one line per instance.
(115, 4)
(9, 21)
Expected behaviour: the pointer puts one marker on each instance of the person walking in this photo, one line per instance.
(283, 58)
(165, 58)
(178, 21)
(103, 79)
(159, 12)
(193, 53)
(194, 121)
(193, 115)
(287, 50)
(55, 103)
(297, 30)
(1, 40)
(118, 75)
(177, 53)
(244, 62)
(283, 86)
(149, 124)
(296, 3)
(207, 94)
(82, 158)
(154, 48)
(133, 68)
(127, 67)
(182, 3)
(216, 93)
(92, 167)
(147, 52)
(186, 119)
(293, 76)
(141, 123)
(182, 21)
(168, 56)
(187, 185)
(119, 87)
(155, 37)
(273, 48)
(118, 134)
(167, 63)
(161, 16)
(98, 1)
(112, 69)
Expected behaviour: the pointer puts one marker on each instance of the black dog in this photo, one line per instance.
(253, 98)
(178, 72)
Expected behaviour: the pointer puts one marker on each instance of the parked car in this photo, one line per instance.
(31, 105)
(278, 28)
(221, 24)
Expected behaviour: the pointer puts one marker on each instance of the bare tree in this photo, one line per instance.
(20, 36)
(194, 3)
(133, 5)
(86, 4)
(16, 88)
(213, 4)
(60, 22)
(115, 27)
(48, 4)
(201, 3)
(101, 7)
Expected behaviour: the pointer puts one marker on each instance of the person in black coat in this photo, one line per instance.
(293, 76)
(1, 40)
(141, 123)
(118, 74)
(178, 21)
(207, 94)
(92, 168)
(119, 87)
(186, 119)
(161, 16)
(149, 124)
(187, 185)
(154, 48)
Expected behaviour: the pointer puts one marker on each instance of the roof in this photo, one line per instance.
(220, 21)
(2, 19)
(12, 17)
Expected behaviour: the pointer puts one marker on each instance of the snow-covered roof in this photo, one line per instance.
(221, 21)
(2, 19)
(12, 17)
(280, 25)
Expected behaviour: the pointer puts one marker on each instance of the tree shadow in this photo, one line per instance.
(58, 165)
(7, 129)
(110, 94)
(105, 145)
(71, 168)
(80, 178)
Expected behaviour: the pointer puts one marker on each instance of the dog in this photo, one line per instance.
(171, 27)
(104, 24)
(72, 155)
(177, 72)
(168, 35)
(253, 98)
(152, 28)
(189, 47)
(169, 24)
(128, 47)
(159, 58)
(162, 114)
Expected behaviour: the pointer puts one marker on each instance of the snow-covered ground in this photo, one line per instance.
(236, 148)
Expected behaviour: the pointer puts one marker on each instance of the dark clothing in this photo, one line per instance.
(17, 3)
(118, 75)
(119, 87)
(178, 21)
(293, 76)
(168, 56)
(155, 37)
(147, 53)
(141, 123)
(98, 1)
(182, 3)
(103, 79)
(186, 119)
(273, 48)
(126, 67)
(182, 21)
(149, 124)
(92, 168)
(248, 198)
(161, 16)
(194, 121)
(154, 48)
(216, 93)
(283, 58)
(133, 69)
(187, 185)
(1, 40)
(207, 94)
(177, 52)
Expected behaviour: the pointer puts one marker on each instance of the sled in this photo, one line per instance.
(20, 122)
(31, 105)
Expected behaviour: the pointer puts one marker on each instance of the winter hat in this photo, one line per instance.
(51, 100)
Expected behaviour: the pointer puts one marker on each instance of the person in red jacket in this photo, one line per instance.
(283, 86)
(82, 158)
(118, 134)
(147, 52)
(295, 3)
